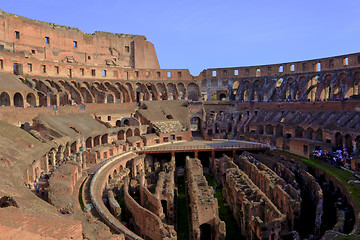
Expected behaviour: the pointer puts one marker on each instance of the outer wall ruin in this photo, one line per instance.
(93, 135)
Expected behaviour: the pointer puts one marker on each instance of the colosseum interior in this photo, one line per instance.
(98, 142)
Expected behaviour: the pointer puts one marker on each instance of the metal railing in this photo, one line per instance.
(205, 147)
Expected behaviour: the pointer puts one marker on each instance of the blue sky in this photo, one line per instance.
(206, 34)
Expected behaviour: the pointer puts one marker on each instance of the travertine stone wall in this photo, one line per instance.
(253, 211)
(203, 205)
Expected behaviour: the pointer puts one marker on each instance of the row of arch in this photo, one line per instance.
(18, 99)
(65, 92)
(351, 143)
(319, 86)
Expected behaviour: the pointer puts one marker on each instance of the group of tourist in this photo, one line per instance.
(339, 157)
(64, 211)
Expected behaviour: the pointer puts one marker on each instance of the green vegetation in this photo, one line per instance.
(225, 214)
(342, 175)
(182, 214)
(81, 201)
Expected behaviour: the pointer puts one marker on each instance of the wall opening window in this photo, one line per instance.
(281, 69)
(1, 63)
(43, 68)
(29, 67)
(82, 71)
(93, 72)
(258, 72)
(57, 69)
(269, 70)
(331, 63)
(136, 74)
(75, 45)
(214, 73)
(292, 67)
(158, 74)
(89, 57)
(47, 40)
(305, 149)
(318, 67)
(109, 118)
(169, 74)
(147, 74)
(104, 73)
(247, 71)
(179, 74)
(236, 72)
(18, 69)
(17, 35)
(346, 61)
(33, 51)
(127, 48)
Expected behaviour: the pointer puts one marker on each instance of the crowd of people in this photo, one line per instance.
(339, 157)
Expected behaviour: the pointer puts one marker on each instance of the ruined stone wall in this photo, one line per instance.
(53, 42)
(253, 211)
(147, 223)
(148, 200)
(327, 78)
(273, 186)
(165, 189)
(203, 205)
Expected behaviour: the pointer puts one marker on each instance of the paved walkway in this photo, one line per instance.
(202, 145)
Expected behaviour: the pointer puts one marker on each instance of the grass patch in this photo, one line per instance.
(225, 213)
(81, 201)
(182, 214)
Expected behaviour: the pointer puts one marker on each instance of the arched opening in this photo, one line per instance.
(195, 124)
(110, 98)
(136, 132)
(260, 129)
(128, 133)
(73, 148)
(121, 134)
(338, 140)
(18, 100)
(114, 173)
(96, 141)
(126, 122)
(222, 96)
(4, 99)
(118, 123)
(104, 139)
(30, 99)
(205, 232)
(279, 131)
(318, 135)
(269, 129)
(182, 90)
(309, 133)
(88, 142)
(172, 91)
(348, 143)
(193, 91)
(299, 132)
